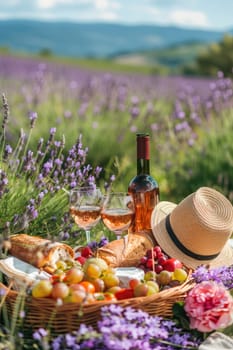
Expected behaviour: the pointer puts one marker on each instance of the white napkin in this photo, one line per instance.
(125, 274)
(217, 341)
(20, 273)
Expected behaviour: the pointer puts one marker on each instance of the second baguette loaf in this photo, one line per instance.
(126, 251)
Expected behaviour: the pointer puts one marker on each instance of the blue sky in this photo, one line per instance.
(207, 14)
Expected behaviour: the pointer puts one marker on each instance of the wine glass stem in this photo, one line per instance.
(88, 236)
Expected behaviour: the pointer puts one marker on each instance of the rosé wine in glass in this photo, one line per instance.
(117, 212)
(85, 208)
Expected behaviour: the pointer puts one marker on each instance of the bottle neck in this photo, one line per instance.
(143, 154)
(143, 166)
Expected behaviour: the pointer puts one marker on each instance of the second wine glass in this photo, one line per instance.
(117, 212)
(85, 207)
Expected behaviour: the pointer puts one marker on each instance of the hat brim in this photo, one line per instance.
(159, 214)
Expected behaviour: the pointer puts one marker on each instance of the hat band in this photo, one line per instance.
(182, 247)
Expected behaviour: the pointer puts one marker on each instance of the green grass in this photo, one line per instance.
(162, 61)
(86, 63)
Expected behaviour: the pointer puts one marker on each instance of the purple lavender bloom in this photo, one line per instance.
(103, 241)
(5, 112)
(32, 117)
(57, 343)
(133, 128)
(64, 235)
(3, 182)
(8, 150)
(57, 144)
(73, 184)
(93, 245)
(47, 167)
(70, 340)
(58, 162)
(22, 314)
(2, 292)
(134, 111)
(39, 334)
(154, 127)
(98, 170)
(223, 274)
(67, 114)
(112, 178)
(52, 131)
(182, 126)
(134, 100)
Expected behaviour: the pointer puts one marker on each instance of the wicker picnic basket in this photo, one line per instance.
(44, 312)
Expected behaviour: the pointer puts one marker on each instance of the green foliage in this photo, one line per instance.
(45, 52)
(180, 315)
(4, 50)
(218, 57)
(210, 163)
(34, 187)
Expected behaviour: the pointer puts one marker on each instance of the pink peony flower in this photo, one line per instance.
(209, 306)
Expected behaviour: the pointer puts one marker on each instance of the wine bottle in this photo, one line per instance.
(143, 188)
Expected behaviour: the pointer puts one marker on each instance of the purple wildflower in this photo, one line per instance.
(2, 292)
(223, 274)
(32, 117)
(31, 212)
(22, 314)
(103, 241)
(7, 152)
(39, 334)
(3, 182)
(5, 113)
(52, 131)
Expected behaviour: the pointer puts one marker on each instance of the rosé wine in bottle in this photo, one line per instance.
(143, 188)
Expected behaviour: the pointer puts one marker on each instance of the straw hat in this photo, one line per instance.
(197, 230)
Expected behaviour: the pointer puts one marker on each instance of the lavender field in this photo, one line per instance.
(189, 119)
(62, 127)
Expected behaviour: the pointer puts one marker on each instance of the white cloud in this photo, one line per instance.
(101, 9)
(3, 15)
(105, 4)
(189, 18)
(101, 4)
(46, 4)
(107, 16)
(106, 9)
(13, 2)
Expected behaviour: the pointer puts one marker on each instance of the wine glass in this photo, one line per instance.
(85, 208)
(117, 212)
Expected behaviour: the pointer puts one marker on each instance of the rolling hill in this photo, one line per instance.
(96, 40)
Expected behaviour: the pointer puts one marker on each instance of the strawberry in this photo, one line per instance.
(81, 259)
(86, 252)
(124, 293)
(172, 264)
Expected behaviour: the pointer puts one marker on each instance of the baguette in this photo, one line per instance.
(39, 252)
(127, 251)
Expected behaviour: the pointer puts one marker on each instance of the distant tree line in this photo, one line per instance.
(216, 57)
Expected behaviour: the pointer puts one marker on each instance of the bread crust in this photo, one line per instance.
(38, 251)
(126, 251)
